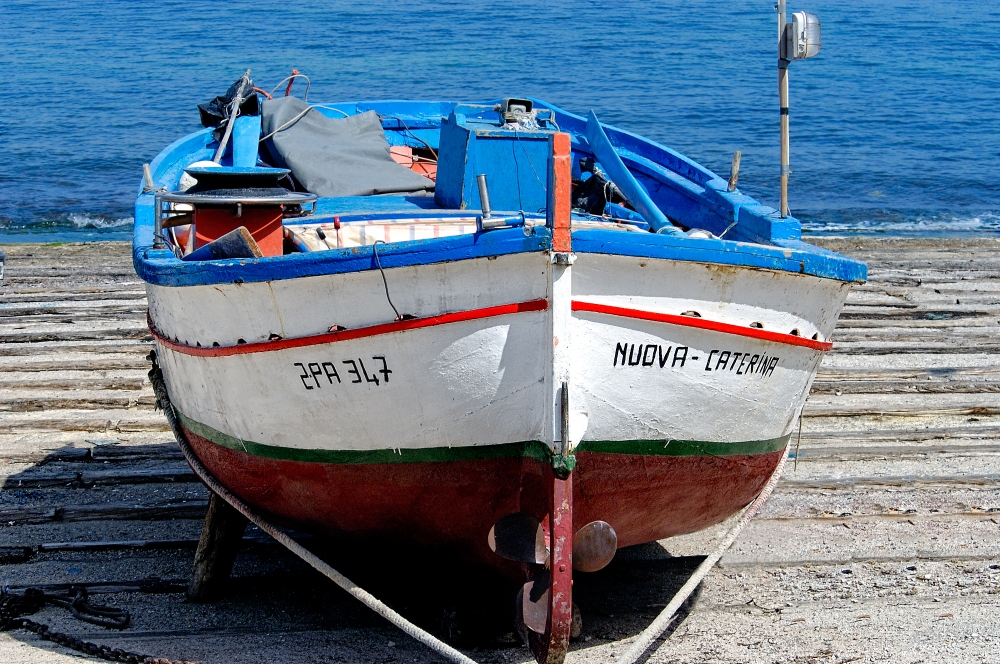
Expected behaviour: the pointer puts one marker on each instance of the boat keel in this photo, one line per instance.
(545, 603)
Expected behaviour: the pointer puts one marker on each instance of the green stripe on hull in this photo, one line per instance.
(682, 447)
(532, 449)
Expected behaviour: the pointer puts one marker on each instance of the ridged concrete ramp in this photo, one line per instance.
(882, 544)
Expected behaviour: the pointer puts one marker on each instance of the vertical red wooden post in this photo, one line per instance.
(556, 640)
(561, 532)
(560, 189)
(552, 646)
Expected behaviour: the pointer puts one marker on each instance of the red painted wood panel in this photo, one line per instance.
(560, 190)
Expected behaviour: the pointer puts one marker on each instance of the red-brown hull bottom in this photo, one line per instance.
(647, 498)
(452, 505)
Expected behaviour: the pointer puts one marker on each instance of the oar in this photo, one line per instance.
(234, 110)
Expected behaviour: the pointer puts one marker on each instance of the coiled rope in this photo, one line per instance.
(363, 596)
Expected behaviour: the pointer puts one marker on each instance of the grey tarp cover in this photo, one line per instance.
(335, 156)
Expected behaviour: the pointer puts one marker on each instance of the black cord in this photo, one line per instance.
(384, 282)
(407, 129)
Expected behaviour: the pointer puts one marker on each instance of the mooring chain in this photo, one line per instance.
(14, 606)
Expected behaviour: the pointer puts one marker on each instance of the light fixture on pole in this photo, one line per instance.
(797, 39)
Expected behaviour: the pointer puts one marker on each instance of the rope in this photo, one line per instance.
(658, 626)
(234, 111)
(363, 596)
(291, 79)
(299, 116)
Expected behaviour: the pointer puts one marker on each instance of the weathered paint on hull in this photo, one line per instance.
(681, 383)
(453, 504)
(465, 375)
(646, 498)
(302, 390)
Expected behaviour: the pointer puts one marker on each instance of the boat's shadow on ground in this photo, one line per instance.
(623, 599)
(467, 606)
(472, 609)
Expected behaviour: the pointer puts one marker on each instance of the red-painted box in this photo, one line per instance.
(263, 222)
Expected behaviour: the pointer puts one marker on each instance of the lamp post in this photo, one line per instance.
(797, 39)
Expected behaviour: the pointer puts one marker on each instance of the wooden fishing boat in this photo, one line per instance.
(566, 340)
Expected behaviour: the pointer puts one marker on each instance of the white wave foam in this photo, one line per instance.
(85, 220)
(920, 224)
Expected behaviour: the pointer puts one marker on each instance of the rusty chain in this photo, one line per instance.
(14, 606)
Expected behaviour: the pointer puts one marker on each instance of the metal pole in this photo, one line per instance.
(783, 105)
(564, 425)
(158, 242)
(484, 196)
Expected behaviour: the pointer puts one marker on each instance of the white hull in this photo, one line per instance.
(494, 379)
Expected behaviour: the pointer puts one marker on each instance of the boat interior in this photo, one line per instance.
(303, 178)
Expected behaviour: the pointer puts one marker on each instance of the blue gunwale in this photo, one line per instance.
(760, 238)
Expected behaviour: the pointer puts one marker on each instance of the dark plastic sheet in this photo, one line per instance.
(335, 156)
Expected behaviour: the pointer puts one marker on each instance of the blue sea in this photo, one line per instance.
(895, 125)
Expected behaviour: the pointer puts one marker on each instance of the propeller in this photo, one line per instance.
(519, 537)
(533, 599)
(594, 546)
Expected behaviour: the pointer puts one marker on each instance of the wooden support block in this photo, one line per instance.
(220, 541)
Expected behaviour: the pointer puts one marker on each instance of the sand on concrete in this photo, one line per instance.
(881, 544)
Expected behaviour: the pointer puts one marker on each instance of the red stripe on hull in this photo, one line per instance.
(452, 505)
(703, 324)
(345, 335)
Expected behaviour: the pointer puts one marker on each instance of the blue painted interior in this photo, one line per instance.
(634, 192)
(682, 190)
(195, 171)
(373, 204)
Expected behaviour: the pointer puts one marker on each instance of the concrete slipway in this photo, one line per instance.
(881, 544)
